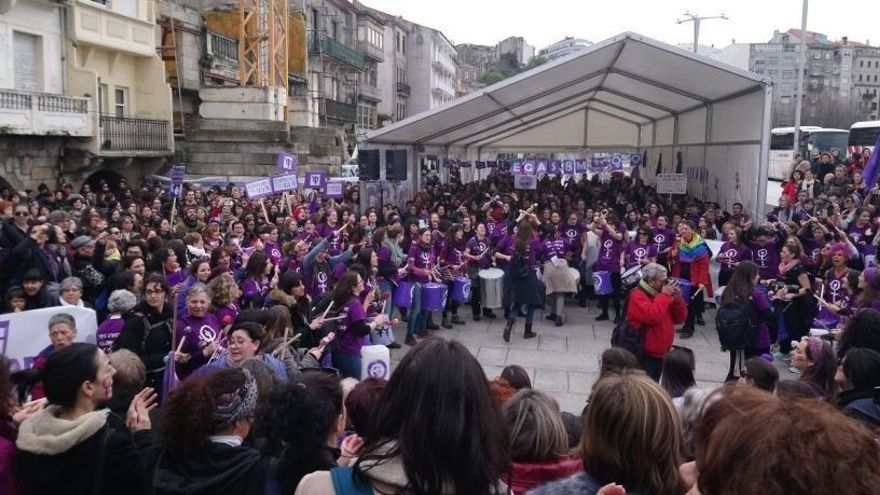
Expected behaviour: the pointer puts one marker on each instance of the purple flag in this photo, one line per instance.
(169, 378)
(872, 169)
(636, 171)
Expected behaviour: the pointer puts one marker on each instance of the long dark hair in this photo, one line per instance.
(524, 236)
(466, 449)
(256, 265)
(741, 283)
(66, 370)
(678, 371)
(343, 291)
(861, 331)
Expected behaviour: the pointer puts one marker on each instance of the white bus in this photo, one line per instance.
(812, 139)
(863, 135)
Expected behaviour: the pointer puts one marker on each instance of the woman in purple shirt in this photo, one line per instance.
(573, 231)
(198, 331)
(452, 265)
(257, 281)
(639, 251)
(662, 239)
(330, 231)
(765, 253)
(743, 287)
(353, 326)
(270, 244)
(225, 294)
(612, 236)
(478, 257)
(422, 262)
(732, 253)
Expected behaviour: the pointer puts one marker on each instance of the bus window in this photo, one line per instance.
(826, 141)
(781, 141)
(864, 136)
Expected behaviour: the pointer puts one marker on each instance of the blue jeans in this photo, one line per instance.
(513, 311)
(347, 364)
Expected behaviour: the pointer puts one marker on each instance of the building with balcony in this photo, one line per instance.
(112, 61)
(38, 116)
(431, 68)
(563, 47)
(370, 44)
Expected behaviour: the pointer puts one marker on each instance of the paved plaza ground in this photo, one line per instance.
(564, 361)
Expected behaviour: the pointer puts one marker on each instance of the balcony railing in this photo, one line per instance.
(337, 110)
(324, 45)
(15, 100)
(370, 50)
(403, 89)
(371, 93)
(134, 134)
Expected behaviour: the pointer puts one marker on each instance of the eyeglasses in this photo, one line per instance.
(22, 214)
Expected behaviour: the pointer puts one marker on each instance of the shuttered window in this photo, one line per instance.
(27, 61)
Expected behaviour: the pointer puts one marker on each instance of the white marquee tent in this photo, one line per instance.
(626, 93)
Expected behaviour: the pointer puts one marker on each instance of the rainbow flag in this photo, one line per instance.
(691, 251)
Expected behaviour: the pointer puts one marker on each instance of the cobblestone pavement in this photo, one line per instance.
(564, 361)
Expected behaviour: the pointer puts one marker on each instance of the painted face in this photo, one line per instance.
(102, 387)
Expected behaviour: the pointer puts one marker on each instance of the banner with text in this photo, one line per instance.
(24, 335)
(672, 184)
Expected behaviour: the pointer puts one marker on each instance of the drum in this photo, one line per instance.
(631, 277)
(491, 287)
(403, 296)
(461, 290)
(602, 283)
(575, 274)
(433, 297)
(687, 289)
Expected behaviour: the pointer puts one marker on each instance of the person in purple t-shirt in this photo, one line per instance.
(422, 263)
(639, 251)
(198, 333)
(258, 281)
(573, 230)
(478, 256)
(330, 231)
(662, 239)
(765, 252)
(732, 253)
(452, 263)
(353, 326)
(120, 302)
(554, 251)
(271, 246)
(612, 236)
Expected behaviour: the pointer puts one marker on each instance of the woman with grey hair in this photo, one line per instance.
(62, 333)
(120, 302)
(70, 293)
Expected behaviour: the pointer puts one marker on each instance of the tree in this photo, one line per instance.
(534, 62)
(493, 76)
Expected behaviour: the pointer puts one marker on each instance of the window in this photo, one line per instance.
(773, 73)
(860, 78)
(374, 37)
(26, 50)
(787, 74)
(120, 104)
(401, 75)
(127, 7)
(401, 111)
(785, 100)
(786, 88)
(366, 117)
(861, 63)
(334, 30)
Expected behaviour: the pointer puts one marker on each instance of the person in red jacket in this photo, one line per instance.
(690, 261)
(655, 307)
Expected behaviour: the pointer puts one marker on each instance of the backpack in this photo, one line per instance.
(734, 324)
(627, 336)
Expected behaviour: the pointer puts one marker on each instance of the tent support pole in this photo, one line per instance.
(764, 155)
(586, 125)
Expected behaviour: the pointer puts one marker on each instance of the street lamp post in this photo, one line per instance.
(696, 19)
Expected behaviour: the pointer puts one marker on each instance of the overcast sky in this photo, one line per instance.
(545, 21)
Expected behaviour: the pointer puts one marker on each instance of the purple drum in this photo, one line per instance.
(433, 297)
(826, 319)
(602, 283)
(461, 290)
(687, 289)
(403, 296)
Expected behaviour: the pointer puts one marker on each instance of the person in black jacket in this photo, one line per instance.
(204, 423)
(36, 252)
(858, 376)
(148, 329)
(70, 447)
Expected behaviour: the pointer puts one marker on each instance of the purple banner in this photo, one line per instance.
(541, 167)
(516, 167)
(465, 164)
(528, 167)
(286, 162)
(480, 164)
(554, 167)
(580, 166)
(315, 180)
(178, 174)
(568, 167)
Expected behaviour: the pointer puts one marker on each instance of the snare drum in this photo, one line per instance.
(687, 289)
(461, 290)
(433, 297)
(631, 277)
(403, 296)
(602, 283)
(491, 287)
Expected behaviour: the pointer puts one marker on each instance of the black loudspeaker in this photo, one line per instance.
(395, 165)
(368, 164)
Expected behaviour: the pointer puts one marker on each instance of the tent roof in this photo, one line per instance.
(629, 77)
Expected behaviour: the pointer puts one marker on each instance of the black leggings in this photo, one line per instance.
(451, 306)
(476, 296)
(732, 370)
(614, 297)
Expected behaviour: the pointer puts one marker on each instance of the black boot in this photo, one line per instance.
(445, 323)
(529, 334)
(430, 325)
(550, 317)
(488, 313)
(456, 320)
(603, 316)
(558, 321)
(508, 328)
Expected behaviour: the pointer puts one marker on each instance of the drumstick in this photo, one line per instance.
(334, 318)
(822, 291)
(180, 344)
(327, 310)
(524, 213)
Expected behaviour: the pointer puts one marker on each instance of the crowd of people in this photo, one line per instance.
(260, 310)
